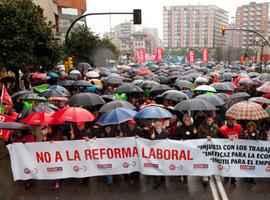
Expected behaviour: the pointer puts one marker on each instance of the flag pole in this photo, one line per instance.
(2, 95)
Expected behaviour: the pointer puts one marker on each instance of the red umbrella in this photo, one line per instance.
(74, 114)
(39, 76)
(144, 73)
(58, 99)
(41, 118)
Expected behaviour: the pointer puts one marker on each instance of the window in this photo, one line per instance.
(69, 11)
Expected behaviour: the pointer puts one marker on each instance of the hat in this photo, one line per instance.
(132, 121)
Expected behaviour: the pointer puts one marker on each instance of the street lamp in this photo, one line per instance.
(261, 43)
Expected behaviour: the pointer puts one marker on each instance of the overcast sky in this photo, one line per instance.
(151, 11)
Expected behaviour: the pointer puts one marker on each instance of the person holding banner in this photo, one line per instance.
(109, 132)
(208, 130)
(251, 133)
(186, 131)
(23, 136)
(158, 133)
(231, 131)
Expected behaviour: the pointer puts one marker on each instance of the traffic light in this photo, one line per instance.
(70, 63)
(66, 66)
(222, 28)
(137, 16)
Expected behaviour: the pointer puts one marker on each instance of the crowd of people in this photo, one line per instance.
(183, 125)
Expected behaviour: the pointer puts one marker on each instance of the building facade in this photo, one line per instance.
(193, 26)
(50, 11)
(69, 11)
(122, 37)
(253, 16)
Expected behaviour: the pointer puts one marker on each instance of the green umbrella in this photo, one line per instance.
(41, 88)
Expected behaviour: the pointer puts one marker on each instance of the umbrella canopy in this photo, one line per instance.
(260, 100)
(108, 98)
(201, 80)
(174, 95)
(116, 116)
(92, 74)
(31, 96)
(58, 99)
(58, 88)
(96, 82)
(128, 88)
(149, 84)
(18, 94)
(66, 83)
(53, 74)
(160, 89)
(265, 88)
(52, 93)
(82, 83)
(115, 81)
(224, 96)
(230, 85)
(73, 114)
(40, 88)
(153, 112)
(194, 105)
(205, 88)
(116, 104)
(184, 84)
(38, 76)
(85, 99)
(221, 87)
(247, 81)
(264, 77)
(41, 118)
(14, 126)
(240, 95)
(75, 72)
(246, 110)
(34, 109)
(214, 99)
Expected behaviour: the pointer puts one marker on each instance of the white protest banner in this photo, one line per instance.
(238, 158)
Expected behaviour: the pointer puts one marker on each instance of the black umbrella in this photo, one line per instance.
(194, 105)
(221, 87)
(174, 95)
(31, 96)
(149, 84)
(260, 100)
(14, 126)
(17, 94)
(240, 95)
(116, 104)
(82, 83)
(115, 81)
(160, 89)
(66, 83)
(108, 98)
(85, 99)
(41, 108)
(128, 88)
(47, 105)
(52, 93)
(211, 98)
(264, 77)
(223, 96)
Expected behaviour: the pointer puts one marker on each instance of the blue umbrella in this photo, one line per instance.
(116, 116)
(53, 74)
(153, 112)
(58, 88)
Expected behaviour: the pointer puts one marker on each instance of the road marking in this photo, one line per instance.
(221, 188)
(213, 188)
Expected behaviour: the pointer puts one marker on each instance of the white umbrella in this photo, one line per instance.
(75, 72)
(205, 88)
(92, 74)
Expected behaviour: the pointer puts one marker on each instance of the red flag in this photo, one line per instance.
(191, 56)
(216, 80)
(158, 55)
(142, 56)
(5, 133)
(5, 96)
(205, 55)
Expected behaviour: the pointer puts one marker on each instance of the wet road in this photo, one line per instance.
(121, 190)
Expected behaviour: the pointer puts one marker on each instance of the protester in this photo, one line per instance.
(208, 130)
(158, 134)
(231, 131)
(186, 131)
